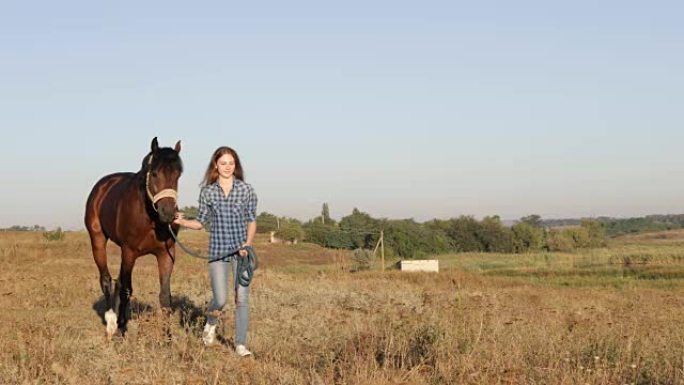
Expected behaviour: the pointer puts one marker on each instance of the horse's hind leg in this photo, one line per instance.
(99, 245)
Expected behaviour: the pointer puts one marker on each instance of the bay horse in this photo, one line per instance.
(134, 210)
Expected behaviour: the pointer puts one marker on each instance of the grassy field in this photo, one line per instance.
(605, 316)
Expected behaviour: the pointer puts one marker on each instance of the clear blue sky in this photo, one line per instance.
(403, 109)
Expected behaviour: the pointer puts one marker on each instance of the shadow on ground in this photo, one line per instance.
(191, 316)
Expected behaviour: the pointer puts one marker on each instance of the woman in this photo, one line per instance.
(229, 204)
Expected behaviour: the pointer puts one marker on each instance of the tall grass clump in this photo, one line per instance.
(54, 235)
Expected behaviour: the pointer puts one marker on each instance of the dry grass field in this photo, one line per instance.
(607, 316)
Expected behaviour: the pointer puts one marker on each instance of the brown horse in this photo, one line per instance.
(134, 210)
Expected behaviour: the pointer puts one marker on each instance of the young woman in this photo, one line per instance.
(229, 205)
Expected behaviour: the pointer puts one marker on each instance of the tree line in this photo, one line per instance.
(24, 228)
(621, 226)
(407, 238)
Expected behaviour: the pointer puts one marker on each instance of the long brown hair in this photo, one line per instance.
(211, 175)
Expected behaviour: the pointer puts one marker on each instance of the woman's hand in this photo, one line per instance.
(243, 252)
(179, 218)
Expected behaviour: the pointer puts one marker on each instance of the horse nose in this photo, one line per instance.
(167, 212)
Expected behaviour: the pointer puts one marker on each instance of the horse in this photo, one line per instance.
(135, 211)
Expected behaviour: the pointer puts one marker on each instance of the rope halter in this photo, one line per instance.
(165, 193)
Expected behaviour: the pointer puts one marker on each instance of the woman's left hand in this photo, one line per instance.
(243, 252)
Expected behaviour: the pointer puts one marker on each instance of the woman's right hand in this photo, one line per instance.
(179, 218)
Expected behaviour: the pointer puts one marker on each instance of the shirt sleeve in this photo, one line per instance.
(204, 206)
(251, 206)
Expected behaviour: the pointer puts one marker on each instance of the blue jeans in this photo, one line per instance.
(218, 272)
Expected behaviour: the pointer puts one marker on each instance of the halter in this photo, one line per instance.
(166, 193)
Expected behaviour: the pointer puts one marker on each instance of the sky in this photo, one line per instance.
(402, 109)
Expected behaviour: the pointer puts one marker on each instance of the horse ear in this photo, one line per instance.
(155, 144)
(178, 146)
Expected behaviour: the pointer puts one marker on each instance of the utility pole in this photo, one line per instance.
(382, 249)
(381, 245)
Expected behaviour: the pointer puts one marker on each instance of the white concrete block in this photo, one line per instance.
(420, 265)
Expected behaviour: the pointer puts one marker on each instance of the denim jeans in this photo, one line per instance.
(218, 272)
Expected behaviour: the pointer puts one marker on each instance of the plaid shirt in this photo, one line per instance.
(229, 215)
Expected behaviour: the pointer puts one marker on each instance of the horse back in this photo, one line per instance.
(105, 203)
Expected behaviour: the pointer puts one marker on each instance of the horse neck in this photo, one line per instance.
(139, 180)
(138, 189)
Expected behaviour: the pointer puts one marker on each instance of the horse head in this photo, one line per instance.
(163, 168)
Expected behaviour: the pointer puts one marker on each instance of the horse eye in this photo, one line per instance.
(154, 174)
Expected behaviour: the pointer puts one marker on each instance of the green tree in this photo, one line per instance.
(363, 229)
(494, 236)
(325, 214)
(463, 234)
(532, 220)
(409, 239)
(291, 231)
(266, 222)
(326, 235)
(190, 212)
(527, 237)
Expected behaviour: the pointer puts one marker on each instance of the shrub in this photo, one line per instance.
(54, 235)
(596, 233)
(362, 259)
(560, 241)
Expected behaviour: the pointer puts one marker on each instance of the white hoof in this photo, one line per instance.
(209, 335)
(110, 318)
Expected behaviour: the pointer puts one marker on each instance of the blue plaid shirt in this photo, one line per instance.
(228, 216)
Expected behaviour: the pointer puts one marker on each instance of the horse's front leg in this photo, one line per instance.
(125, 284)
(165, 261)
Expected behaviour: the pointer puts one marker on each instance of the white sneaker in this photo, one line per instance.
(242, 351)
(209, 334)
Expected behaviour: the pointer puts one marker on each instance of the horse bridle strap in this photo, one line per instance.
(165, 193)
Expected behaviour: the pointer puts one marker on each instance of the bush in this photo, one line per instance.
(54, 235)
(596, 233)
(362, 259)
(560, 241)
(579, 235)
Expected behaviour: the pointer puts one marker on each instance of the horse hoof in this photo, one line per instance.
(110, 318)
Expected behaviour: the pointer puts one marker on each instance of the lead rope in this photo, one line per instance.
(245, 265)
